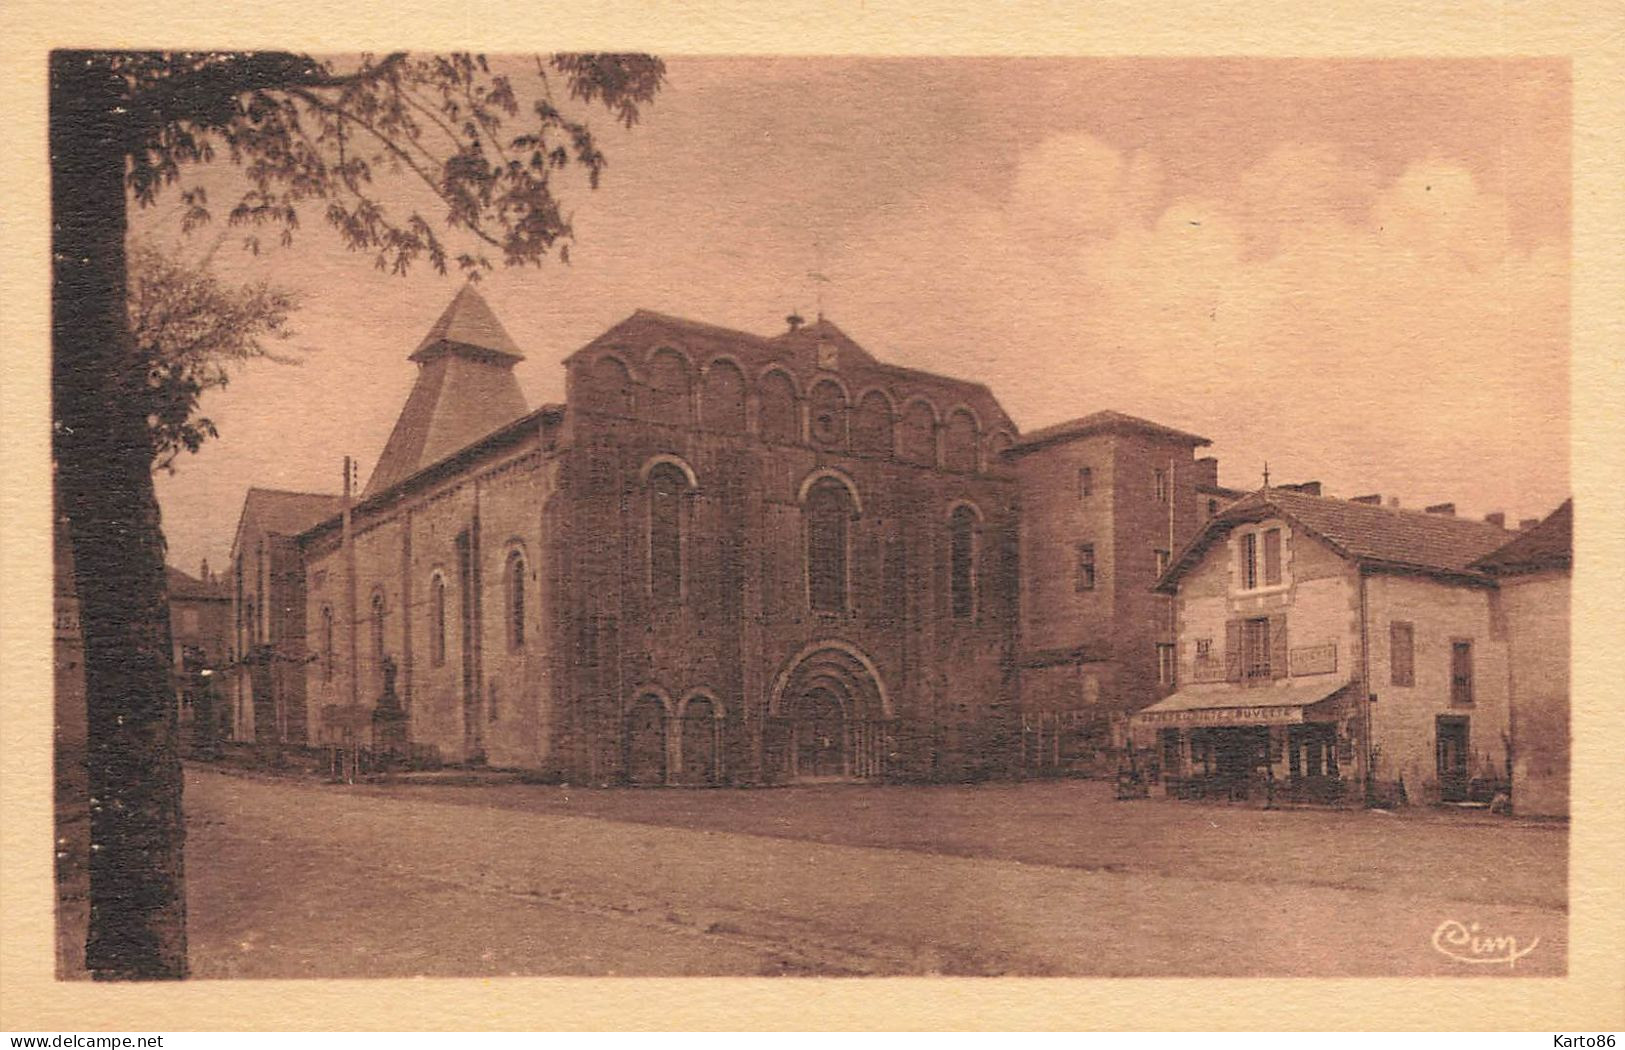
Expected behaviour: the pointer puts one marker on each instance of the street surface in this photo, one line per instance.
(294, 878)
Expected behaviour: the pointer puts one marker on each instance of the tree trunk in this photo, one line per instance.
(104, 484)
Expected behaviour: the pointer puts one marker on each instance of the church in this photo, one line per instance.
(729, 559)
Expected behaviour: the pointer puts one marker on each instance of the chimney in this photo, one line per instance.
(1308, 488)
(1497, 518)
(795, 321)
(1375, 499)
(1207, 471)
(1393, 502)
(203, 571)
(1447, 509)
(1528, 523)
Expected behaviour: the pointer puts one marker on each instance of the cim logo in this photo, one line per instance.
(1469, 943)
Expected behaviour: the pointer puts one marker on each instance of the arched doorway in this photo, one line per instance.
(646, 741)
(830, 718)
(701, 729)
(818, 744)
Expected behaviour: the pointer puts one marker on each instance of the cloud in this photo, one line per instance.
(1375, 333)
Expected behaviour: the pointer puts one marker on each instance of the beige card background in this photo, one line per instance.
(1592, 998)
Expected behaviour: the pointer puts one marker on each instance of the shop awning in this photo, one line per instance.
(1232, 704)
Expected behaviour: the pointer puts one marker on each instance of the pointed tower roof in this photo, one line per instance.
(465, 390)
(467, 325)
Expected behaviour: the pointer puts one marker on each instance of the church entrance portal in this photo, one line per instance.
(817, 736)
(829, 718)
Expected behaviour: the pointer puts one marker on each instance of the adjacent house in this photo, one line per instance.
(1328, 648)
(1533, 570)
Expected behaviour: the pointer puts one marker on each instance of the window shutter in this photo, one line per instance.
(1278, 649)
(1232, 650)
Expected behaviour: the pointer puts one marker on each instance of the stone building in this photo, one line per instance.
(1105, 501)
(724, 558)
(1322, 640)
(267, 587)
(1534, 570)
(200, 643)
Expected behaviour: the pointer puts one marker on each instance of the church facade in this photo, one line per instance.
(725, 558)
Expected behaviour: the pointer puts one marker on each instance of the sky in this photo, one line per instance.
(1356, 271)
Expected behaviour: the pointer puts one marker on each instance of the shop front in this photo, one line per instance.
(1272, 743)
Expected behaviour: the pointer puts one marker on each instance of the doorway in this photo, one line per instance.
(646, 741)
(817, 736)
(1450, 752)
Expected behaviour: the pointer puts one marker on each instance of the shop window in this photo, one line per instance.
(1084, 580)
(1401, 653)
(1461, 672)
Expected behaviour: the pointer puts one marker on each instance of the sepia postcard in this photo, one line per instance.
(781, 509)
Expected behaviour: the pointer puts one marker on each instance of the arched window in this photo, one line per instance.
(917, 442)
(998, 445)
(828, 508)
(667, 485)
(959, 440)
(378, 627)
(516, 600)
(327, 643)
(609, 387)
(962, 562)
(437, 620)
(249, 624)
(827, 414)
(872, 424)
(780, 420)
(668, 387)
(722, 398)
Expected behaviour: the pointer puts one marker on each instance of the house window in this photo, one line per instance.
(1212, 507)
(1085, 580)
(1159, 485)
(1162, 562)
(1272, 557)
(1461, 672)
(667, 484)
(516, 600)
(1086, 482)
(1401, 653)
(327, 643)
(1204, 650)
(962, 555)
(1165, 663)
(1255, 649)
(1249, 561)
(437, 620)
(828, 511)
